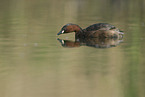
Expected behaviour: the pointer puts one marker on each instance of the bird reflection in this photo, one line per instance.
(91, 42)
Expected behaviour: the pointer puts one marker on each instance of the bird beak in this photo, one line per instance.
(61, 32)
(61, 41)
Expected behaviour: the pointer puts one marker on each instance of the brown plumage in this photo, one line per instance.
(99, 30)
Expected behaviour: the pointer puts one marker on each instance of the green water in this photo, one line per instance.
(33, 63)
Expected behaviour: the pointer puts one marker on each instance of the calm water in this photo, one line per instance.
(33, 63)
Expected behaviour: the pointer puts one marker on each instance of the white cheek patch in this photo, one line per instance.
(62, 31)
(62, 41)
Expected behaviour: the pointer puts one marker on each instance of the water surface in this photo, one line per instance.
(33, 63)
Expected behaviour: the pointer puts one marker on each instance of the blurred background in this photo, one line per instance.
(34, 64)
